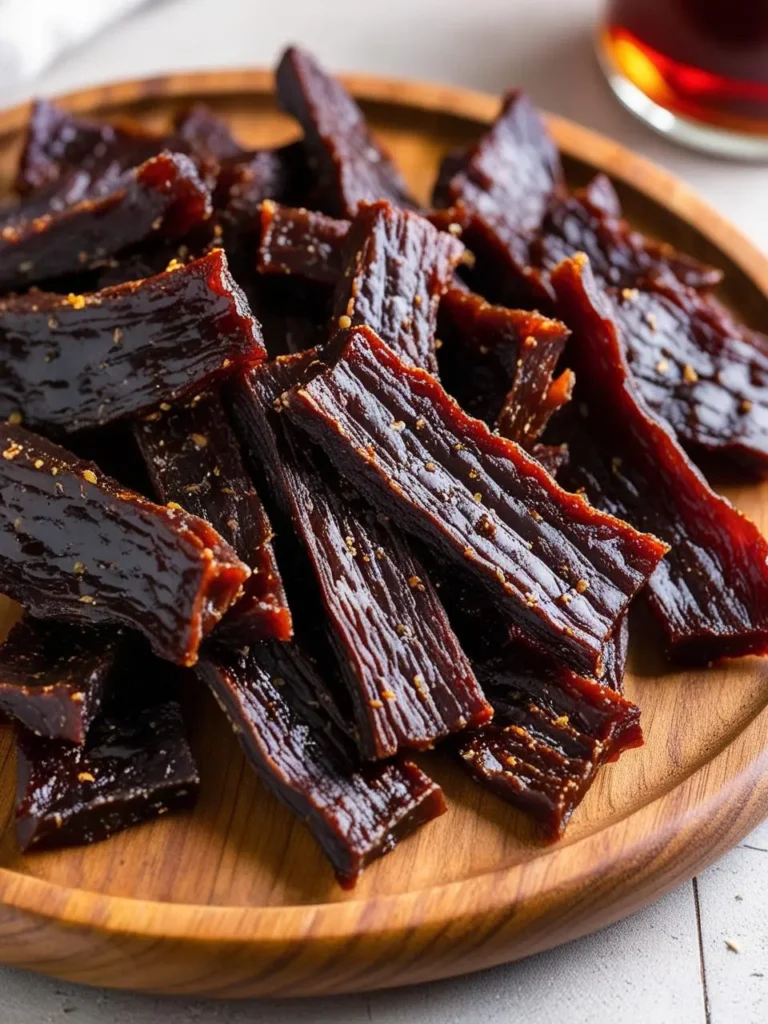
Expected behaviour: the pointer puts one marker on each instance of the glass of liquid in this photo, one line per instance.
(695, 70)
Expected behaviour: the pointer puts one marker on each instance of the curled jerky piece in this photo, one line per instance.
(164, 197)
(711, 592)
(708, 382)
(135, 765)
(551, 732)
(409, 680)
(350, 165)
(70, 362)
(74, 544)
(303, 243)
(562, 571)
(397, 267)
(53, 674)
(500, 362)
(355, 812)
(194, 460)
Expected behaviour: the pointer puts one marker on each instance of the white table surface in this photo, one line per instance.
(672, 961)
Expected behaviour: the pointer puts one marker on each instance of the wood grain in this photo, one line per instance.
(235, 899)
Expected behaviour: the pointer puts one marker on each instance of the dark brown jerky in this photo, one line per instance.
(247, 180)
(355, 812)
(615, 654)
(135, 765)
(53, 674)
(709, 383)
(499, 363)
(600, 195)
(397, 268)
(551, 732)
(303, 243)
(77, 361)
(500, 189)
(351, 167)
(562, 571)
(76, 545)
(194, 460)
(163, 198)
(618, 255)
(208, 136)
(553, 457)
(409, 680)
(711, 592)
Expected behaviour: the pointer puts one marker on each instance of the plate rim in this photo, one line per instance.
(715, 820)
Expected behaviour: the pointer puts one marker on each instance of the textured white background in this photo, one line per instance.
(670, 963)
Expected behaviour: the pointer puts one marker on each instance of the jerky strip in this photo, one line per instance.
(355, 812)
(397, 267)
(350, 165)
(711, 593)
(194, 460)
(76, 545)
(164, 197)
(707, 382)
(70, 362)
(303, 243)
(52, 676)
(410, 682)
(135, 765)
(562, 571)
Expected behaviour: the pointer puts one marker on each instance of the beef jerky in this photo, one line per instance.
(53, 675)
(76, 545)
(209, 137)
(397, 268)
(562, 571)
(409, 680)
(135, 765)
(194, 460)
(351, 167)
(355, 812)
(162, 198)
(77, 361)
(711, 593)
(303, 243)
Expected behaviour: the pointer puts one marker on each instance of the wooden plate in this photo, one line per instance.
(235, 899)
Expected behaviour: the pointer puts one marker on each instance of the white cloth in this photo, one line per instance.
(34, 32)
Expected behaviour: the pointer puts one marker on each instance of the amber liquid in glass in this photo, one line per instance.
(704, 60)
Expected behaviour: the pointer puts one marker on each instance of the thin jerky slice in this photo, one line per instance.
(247, 180)
(711, 593)
(164, 197)
(350, 165)
(500, 364)
(76, 545)
(135, 765)
(615, 654)
(709, 383)
(562, 571)
(356, 812)
(500, 189)
(194, 460)
(303, 243)
(52, 676)
(553, 457)
(551, 733)
(397, 268)
(77, 361)
(409, 680)
(208, 136)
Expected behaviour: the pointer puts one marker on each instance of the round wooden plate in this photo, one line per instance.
(235, 899)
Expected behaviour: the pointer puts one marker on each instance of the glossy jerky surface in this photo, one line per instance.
(247, 180)
(710, 593)
(708, 382)
(193, 459)
(76, 545)
(349, 164)
(397, 268)
(302, 242)
(162, 198)
(561, 571)
(355, 812)
(135, 765)
(409, 680)
(499, 363)
(53, 675)
(77, 361)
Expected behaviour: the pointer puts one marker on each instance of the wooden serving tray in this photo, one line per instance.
(236, 899)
